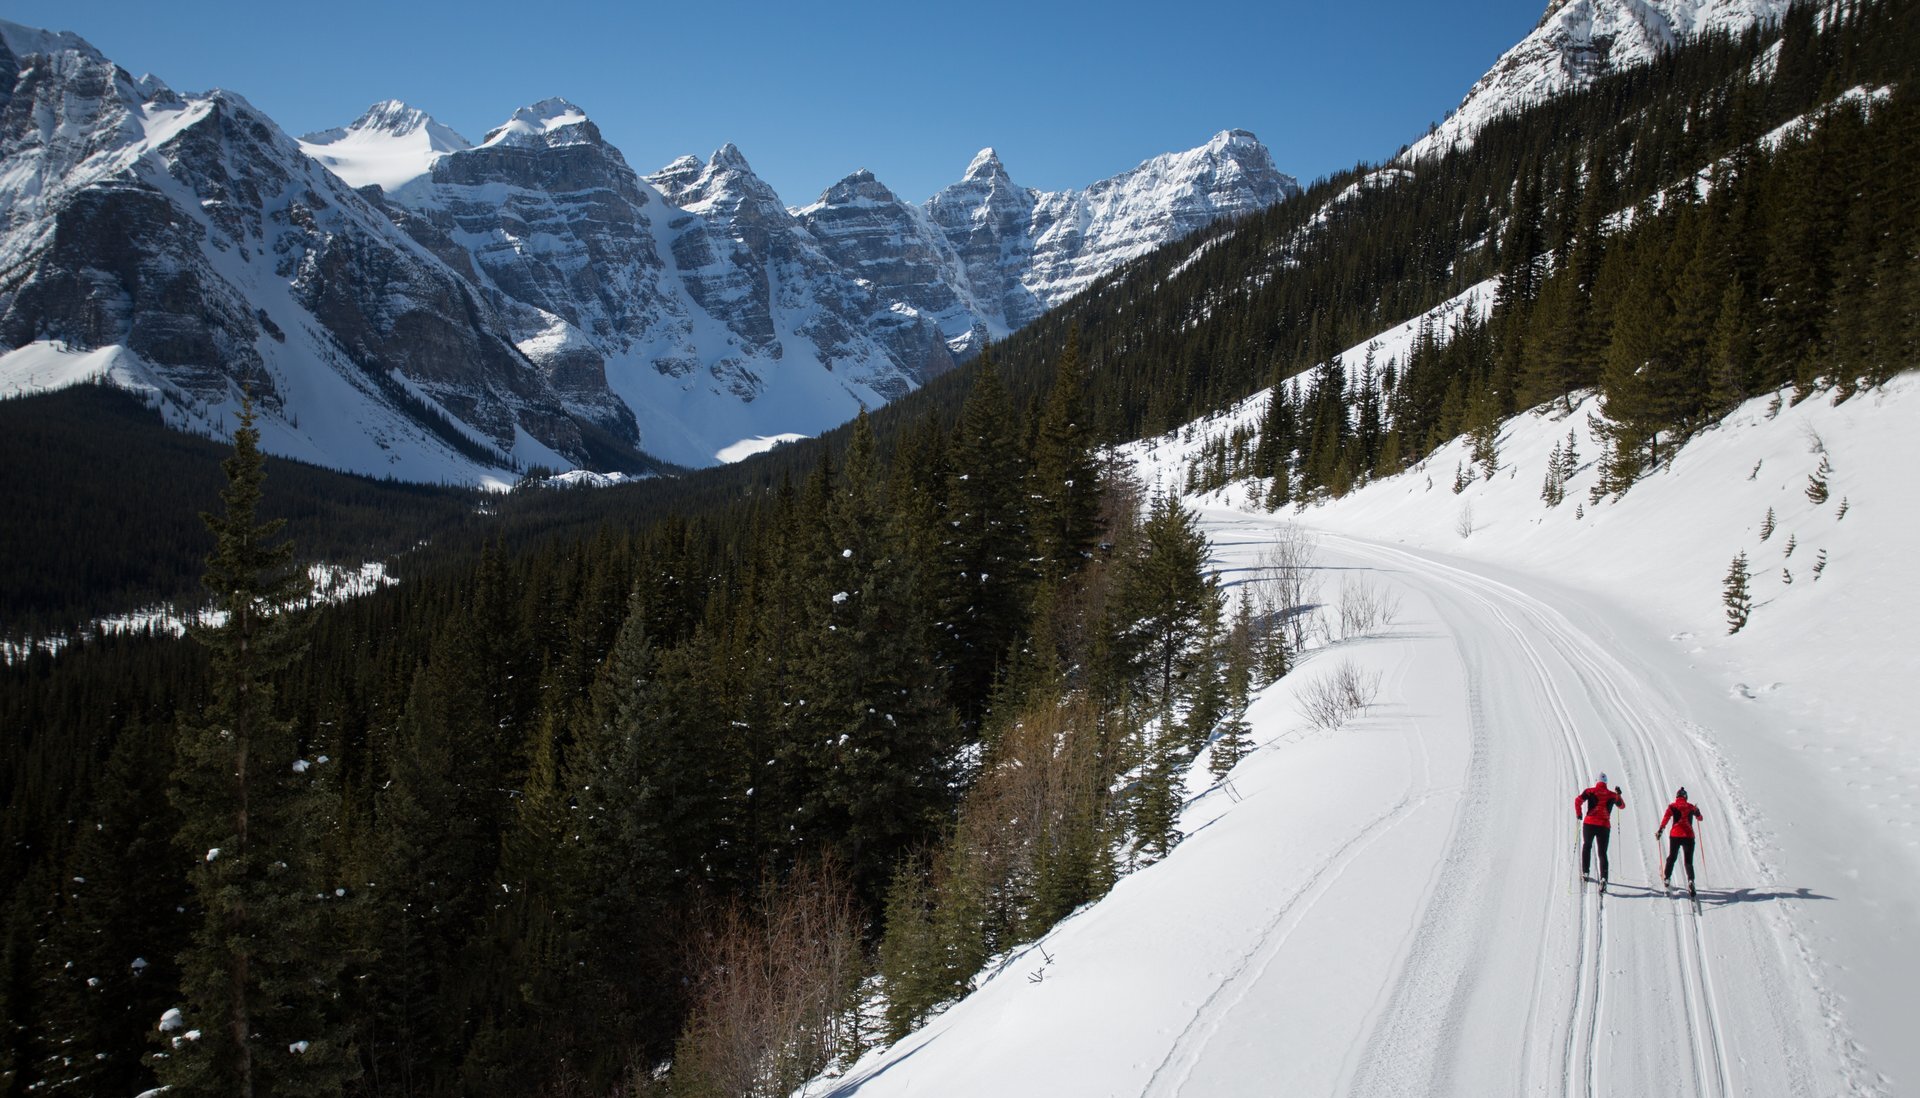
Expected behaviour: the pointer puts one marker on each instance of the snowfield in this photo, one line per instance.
(1392, 908)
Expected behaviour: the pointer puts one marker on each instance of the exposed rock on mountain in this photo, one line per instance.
(1026, 251)
(1576, 43)
(192, 232)
(402, 301)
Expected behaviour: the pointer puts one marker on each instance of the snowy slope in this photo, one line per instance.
(1390, 909)
(387, 147)
(1576, 43)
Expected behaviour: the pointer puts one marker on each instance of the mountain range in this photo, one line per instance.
(402, 301)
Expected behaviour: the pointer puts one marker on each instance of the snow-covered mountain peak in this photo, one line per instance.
(389, 146)
(859, 188)
(1578, 42)
(395, 119)
(985, 165)
(24, 41)
(720, 187)
(546, 124)
(729, 157)
(1235, 139)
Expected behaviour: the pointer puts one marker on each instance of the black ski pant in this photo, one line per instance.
(1589, 834)
(1679, 844)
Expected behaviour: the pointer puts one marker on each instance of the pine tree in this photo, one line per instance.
(1167, 603)
(1734, 594)
(986, 567)
(260, 980)
(106, 963)
(1231, 745)
(1156, 800)
(1065, 495)
(1817, 490)
(908, 957)
(1554, 488)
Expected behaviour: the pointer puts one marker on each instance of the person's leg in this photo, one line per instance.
(1673, 851)
(1687, 845)
(1605, 834)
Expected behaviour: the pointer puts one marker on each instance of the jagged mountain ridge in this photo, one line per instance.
(1576, 43)
(195, 243)
(676, 313)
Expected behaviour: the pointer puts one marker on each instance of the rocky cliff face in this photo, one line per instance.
(1576, 43)
(1080, 235)
(712, 317)
(989, 222)
(1025, 251)
(192, 232)
(403, 301)
(915, 275)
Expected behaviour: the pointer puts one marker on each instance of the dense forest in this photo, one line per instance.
(683, 773)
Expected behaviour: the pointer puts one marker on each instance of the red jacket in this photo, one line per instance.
(1681, 815)
(1602, 803)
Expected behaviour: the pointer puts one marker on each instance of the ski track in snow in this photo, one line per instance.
(1645, 1016)
(1177, 1068)
(1394, 909)
(1632, 716)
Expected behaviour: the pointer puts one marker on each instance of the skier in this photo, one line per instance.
(1681, 815)
(1596, 823)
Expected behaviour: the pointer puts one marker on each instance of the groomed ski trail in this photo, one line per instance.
(1383, 910)
(1650, 1021)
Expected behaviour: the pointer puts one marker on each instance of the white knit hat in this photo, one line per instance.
(1603, 777)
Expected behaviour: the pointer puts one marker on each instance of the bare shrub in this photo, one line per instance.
(775, 999)
(1463, 523)
(1329, 700)
(1365, 608)
(1358, 688)
(1288, 585)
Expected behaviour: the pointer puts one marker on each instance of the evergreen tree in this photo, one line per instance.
(261, 978)
(986, 568)
(1554, 488)
(1231, 745)
(1156, 800)
(1065, 495)
(1167, 603)
(1734, 594)
(107, 967)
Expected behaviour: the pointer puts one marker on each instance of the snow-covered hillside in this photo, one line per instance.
(1576, 43)
(1391, 908)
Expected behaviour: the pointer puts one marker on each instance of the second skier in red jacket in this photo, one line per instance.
(1596, 821)
(1681, 815)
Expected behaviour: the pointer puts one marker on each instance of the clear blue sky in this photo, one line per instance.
(1068, 93)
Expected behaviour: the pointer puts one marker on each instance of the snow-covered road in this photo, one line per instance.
(1392, 908)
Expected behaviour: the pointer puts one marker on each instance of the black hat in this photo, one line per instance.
(1682, 794)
